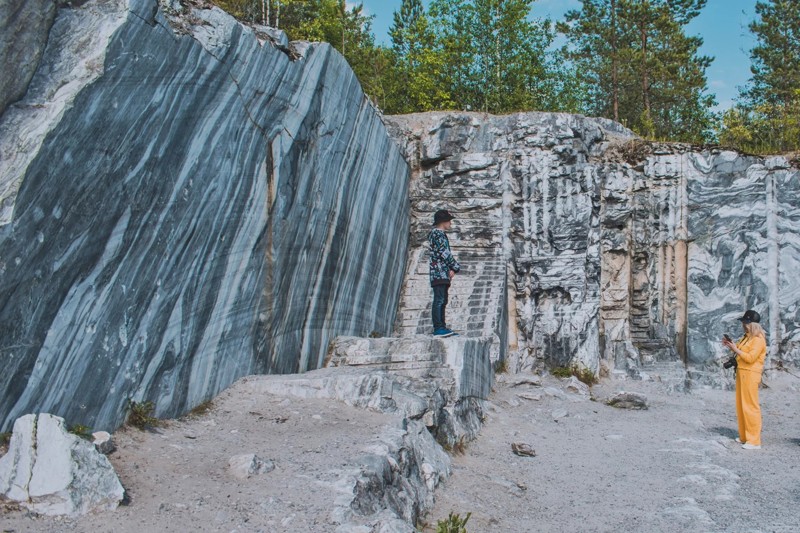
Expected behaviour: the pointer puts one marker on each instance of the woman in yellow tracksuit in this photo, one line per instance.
(750, 352)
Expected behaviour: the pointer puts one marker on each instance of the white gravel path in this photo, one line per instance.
(672, 468)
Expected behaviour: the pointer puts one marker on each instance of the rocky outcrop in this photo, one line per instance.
(526, 226)
(586, 246)
(24, 26)
(53, 472)
(438, 386)
(186, 200)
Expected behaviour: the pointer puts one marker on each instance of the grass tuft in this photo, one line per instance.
(84, 432)
(140, 415)
(453, 524)
(201, 409)
(583, 374)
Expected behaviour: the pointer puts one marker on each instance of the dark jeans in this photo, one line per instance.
(439, 305)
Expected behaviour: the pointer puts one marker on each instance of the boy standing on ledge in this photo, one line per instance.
(443, 268)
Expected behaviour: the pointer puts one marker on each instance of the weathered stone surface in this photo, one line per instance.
(24, 26)
(522, 449)
(104, 442)
(587, 247)
(215, 214)
(248, 465)
(439, 386)
(576, 386)
(628, 400)
(53, 472)
(522, 190)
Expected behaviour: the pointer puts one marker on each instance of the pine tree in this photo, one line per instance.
(775, 60)
(595, 41)
(640, 66)
(419, 63)
(496, 53)
(767, 115)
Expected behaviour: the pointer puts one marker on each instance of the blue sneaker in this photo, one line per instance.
(442, 332)
(451, 332)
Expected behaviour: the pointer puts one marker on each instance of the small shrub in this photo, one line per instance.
(5, 438)
(140, 415)
(453, 524)
(583, 374)
(561, 372)
(501, 367)
(375, 335)
(84, 432)
(201, 409)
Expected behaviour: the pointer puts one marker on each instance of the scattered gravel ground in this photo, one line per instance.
(672, 468)
(178, 479)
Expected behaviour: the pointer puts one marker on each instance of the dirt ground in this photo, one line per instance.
(178, 478)
(674, 467)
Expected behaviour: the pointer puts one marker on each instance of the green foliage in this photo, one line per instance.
(140, 415)
(766, 118)
(639, 67)
(501, 367)
(495, 55)
(5, 438)
(453, 524)
(84, 432)
(775, 60)
(583, 374)
(419, 64)
(762, 128)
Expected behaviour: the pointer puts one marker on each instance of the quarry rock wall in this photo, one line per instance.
(186, 200)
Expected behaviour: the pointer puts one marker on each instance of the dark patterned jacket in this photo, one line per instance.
(441, 258)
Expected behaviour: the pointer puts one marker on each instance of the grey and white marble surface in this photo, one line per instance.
(186, 201)
(586, 246)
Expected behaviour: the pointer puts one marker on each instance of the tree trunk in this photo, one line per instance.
(614, 61)
(645, 72)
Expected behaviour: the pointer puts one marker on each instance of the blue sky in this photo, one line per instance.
(723, 26)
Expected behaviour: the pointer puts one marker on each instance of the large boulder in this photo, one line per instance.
(53, 472)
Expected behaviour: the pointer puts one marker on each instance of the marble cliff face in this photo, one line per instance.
(186, 200)
(584, 245)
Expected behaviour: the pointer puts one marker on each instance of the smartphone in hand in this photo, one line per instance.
(726, 337)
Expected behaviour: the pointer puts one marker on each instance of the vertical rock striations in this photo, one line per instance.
(527, 214)
(191, 203)
(24, 26)
(585, 246)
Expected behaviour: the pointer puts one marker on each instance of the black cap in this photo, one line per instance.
(750, 316)
(442, 215)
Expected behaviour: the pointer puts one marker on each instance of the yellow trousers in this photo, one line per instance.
(748, 412)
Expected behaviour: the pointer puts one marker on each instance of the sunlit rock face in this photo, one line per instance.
(20, 51)
(186, 201)
(585, 246)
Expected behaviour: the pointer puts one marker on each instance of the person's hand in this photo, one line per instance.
(452, 274)
(727, 343)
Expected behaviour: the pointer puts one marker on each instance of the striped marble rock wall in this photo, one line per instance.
(454, 168)
(585, 246)
(521, 189)
(186, 201)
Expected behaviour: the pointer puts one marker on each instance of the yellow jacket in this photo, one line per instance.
(754, 352)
